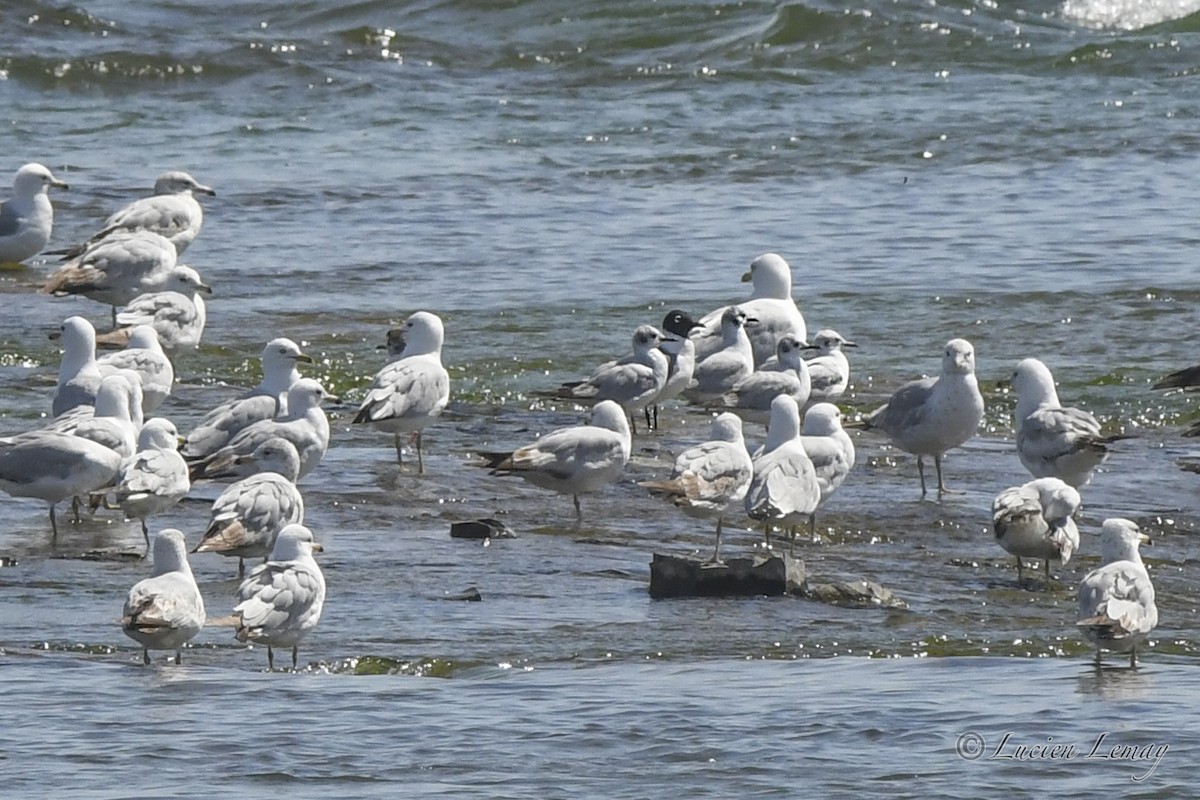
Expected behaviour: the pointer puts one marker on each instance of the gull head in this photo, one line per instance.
(680, 323)
(727, 427)
(77, 335)
(177, 182)
(294, 541)
(958, 358)
(823, 419)
(770, 276)
(170, 552)
(1032, 381)
(829, 341)
(281, 355)
(1119, 540)
(186, 280)
(158, 433)
(734, 318)
(785, 421)
(646, 338)
(423, 333)
(33, 179)
(790, 351)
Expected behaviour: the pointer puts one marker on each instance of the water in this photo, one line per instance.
(546, 179)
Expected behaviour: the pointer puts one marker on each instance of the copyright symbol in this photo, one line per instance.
(969, 746)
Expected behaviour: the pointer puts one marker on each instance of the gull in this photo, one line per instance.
(574, 460)
(927, 417)
(178, 315)
(411, 390)
(1052, 441)
(165, 611)
(784, 490)
(305, 426)
(171, 212)
(631, 382)
(265, 401)
(27, 217)
(280, 601)
(719, 371)
(53, 466)
(116, 269)
(829, 448)
(155, 478)
(751, 397)
(111, 424)
(143, 356)
(1116, 601)
(681, 357)
(770, 305)
(78, 375)
(709, 477)
(830, 369)
(249, 514)
(1035, 520)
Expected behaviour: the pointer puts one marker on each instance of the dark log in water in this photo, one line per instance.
(672, 576)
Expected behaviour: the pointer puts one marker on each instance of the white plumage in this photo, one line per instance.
(1116, 600)
(1035, 520)
(165, 611)
(770, 305)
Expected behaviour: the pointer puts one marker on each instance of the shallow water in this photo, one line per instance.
(546, 182)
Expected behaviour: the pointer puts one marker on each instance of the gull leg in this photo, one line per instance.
(114, 317)
(399, 450)
(145, 656)
(1133, 658)
(1019, 566)
(1047, 587)
(270, 659)
(75, 508)
(420, 456)
(767, 532)
(1097, 658)
(649, 424)
(942, 488)
(792, 540)
(295, 655)
(921, 472)
(578, 510)
(632, 425)
(716, 556)
(178, 658)
(146, 536)
(656, 416)
(53, 526)
(241, 567)
(812, 526)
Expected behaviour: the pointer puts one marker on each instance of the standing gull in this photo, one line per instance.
(53, 466)
(574, 460)
(1116, 601)
(305, 426)
(249, 515)
(1052, 441)
(111, 423)
(155, 478)
(829, 448)
(709, 477)
(165, 611)
(178, 315)
(265, 401)
(829, 370)
(1035, 520)
(770, 305)
(280, 601)
(681, 359)
(116, 270)
(784, 490)
(720, 370)
(632, 382)
(412, 390)
(172, 212)
(26, 218)
(927, 417)
(78, 375)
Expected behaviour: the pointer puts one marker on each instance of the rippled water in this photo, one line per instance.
(546, 180)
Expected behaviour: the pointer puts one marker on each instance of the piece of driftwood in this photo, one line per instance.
(481, 529)
(470, 594)
(774, 574)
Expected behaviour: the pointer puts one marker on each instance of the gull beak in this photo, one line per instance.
(241, 461)
(746, 277)
(204, 287)
(318, 547)
(1144, 539)
(57, 184)
(54, 336)
(750, 321)
(205, 190)
(333, 398)
(1004, 383)
(180, 442)
(848, 343)
(306, 358)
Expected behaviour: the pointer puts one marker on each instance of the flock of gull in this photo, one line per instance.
(752, 362)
